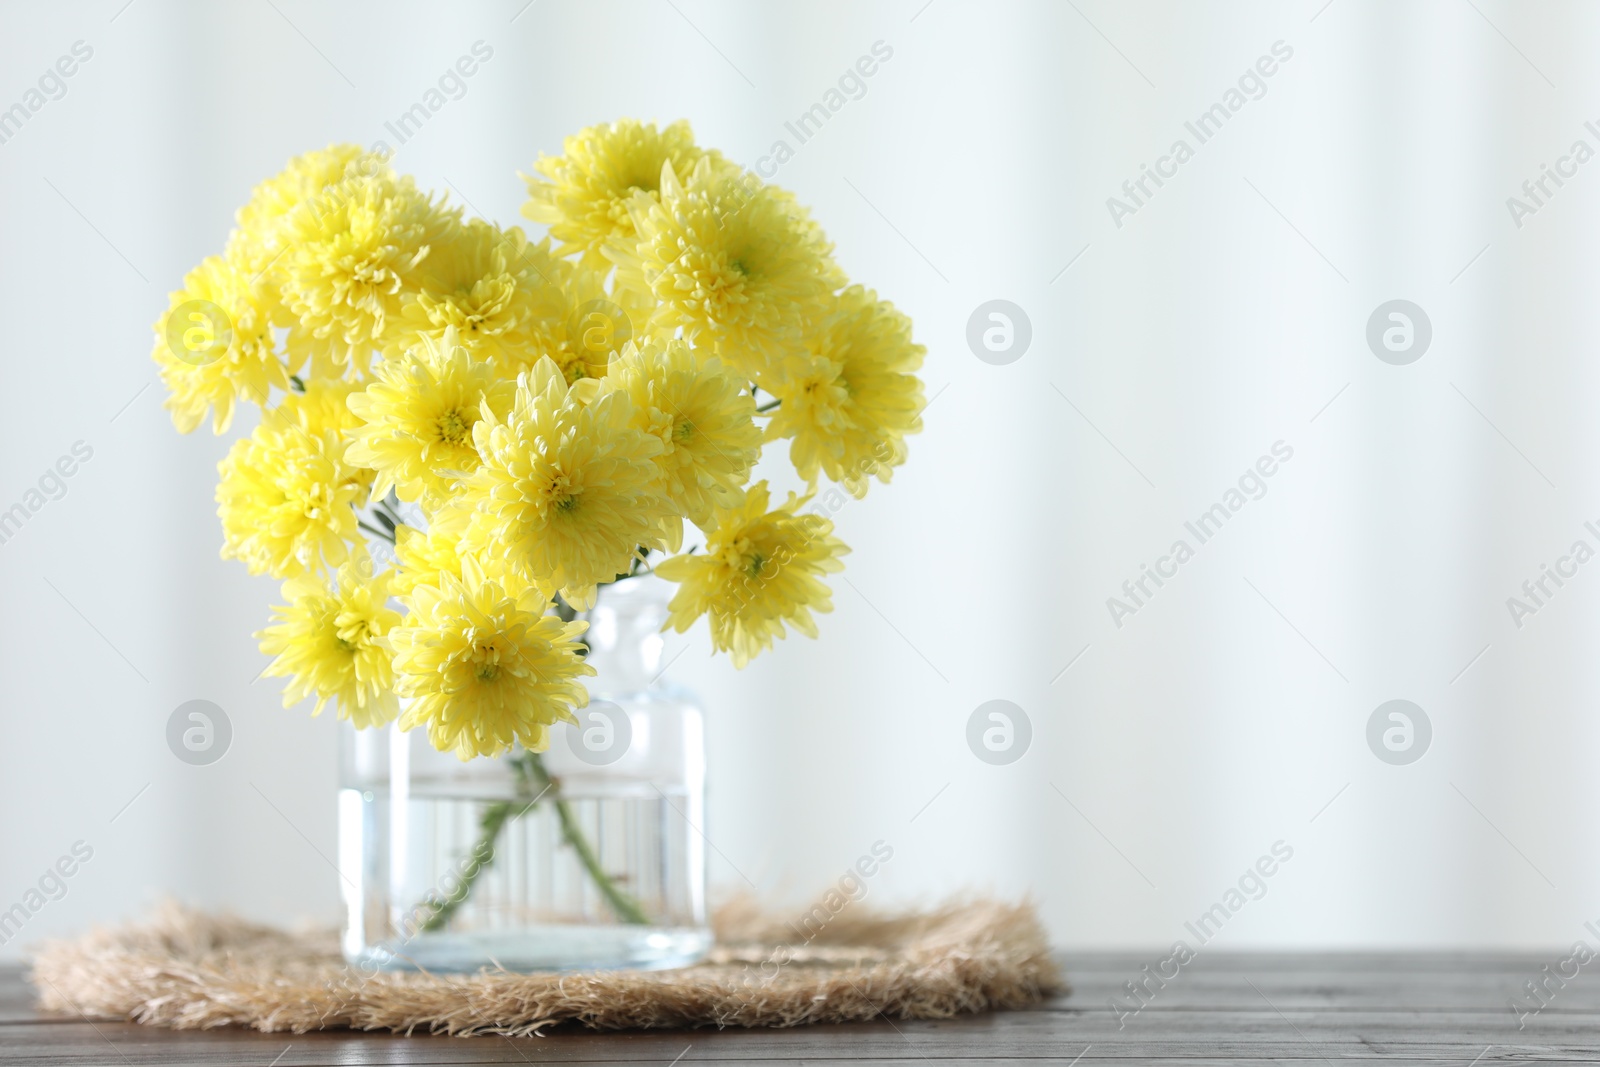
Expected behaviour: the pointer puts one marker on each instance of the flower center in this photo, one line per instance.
(486, 667)
(562, 495)
(683, 431)
(452, 428)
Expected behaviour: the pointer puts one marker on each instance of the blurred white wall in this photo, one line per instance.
(1167, 354)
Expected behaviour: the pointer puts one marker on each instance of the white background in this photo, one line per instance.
(1222, 317)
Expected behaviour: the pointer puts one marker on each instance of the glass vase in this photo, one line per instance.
(586, 856)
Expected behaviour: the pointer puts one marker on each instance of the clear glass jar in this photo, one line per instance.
(587, 856)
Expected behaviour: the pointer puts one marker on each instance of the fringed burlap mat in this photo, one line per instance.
(188, 970)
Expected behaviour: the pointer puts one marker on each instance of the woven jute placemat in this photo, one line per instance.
(186, 969)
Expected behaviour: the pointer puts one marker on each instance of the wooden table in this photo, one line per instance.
(1240, 1008)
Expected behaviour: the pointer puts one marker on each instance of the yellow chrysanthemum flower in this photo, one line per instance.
(417, 418)
(502, 295)
(565, 492)
(760, 569)
(324, 408)
(739, 269)
(215, 347)
(583, 194)
(704, 419)
(256, 245)
(331, 642)
(421, 556)
(594, 327)
(325, 405)
(485, 668)
(351, 255)
(573, 321)
(852, 398)
(286, 497)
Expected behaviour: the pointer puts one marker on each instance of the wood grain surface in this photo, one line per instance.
(1236, 1008)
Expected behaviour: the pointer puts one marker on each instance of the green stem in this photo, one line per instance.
(625, 907)
(533, 784)
(387, 509)
(382, 535)
(493, 820)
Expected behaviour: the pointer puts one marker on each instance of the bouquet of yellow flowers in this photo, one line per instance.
(465, 435)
